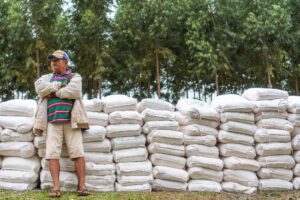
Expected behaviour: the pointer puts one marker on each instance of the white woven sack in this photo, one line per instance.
(170, 149)
(271, 135)
(296, 142)
(125, 117)
(231, 137)
(8, 135)
(243, 177)
(296, 183)
(237, 127)
(123, 130)
(130, 155)
(171, 174)
(13, 176)
(274, 123)
(18, 149)
(198, 130)
(295, 119)
(272, 114)
(241, 164)
(237, 150)
(98, 158)
(19, 124)
(201, 150)
(97, 118)
(165, 136)
(280, 161)
(294, 104)
(208, 140)
(134, 168)
(157, 115)
(186, 120)
(155, 104)
(197, 109)
(204, 186)
(18, 107)
(93, 105)
(210, 163)
(31, 164)
(296, 169)
(134, 180)
(103, 146)
(258, 94)
(205, 174)
(238, 188)
(232, 103)
(172, 186)
(160, 125)
(100, 180)
(275, 173)
(274, 184)
(101, 188)
(168, 160)
(247, 118)
(17, 186)
(276, 105)
(296, 155)
(94, 133)
(128, 142)
(273, 148)
(119, 103)
(134, 188)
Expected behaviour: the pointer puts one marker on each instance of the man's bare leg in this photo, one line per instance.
(54, 170)
(80, 171)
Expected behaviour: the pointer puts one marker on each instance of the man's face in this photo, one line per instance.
(58, 66)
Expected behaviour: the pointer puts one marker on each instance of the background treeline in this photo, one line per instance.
(147, 48)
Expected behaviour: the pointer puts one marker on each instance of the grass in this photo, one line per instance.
(40, 195)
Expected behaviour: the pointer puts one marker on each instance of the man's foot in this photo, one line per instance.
(83, 192)
(55, 194)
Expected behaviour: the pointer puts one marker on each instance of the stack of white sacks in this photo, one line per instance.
(100, 169)
(273, 140)
(294, 118)
(20, 164)
(198, 122)
(236, 138)
(165, 145)
(134, 170)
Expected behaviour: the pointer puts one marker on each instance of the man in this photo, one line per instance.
(61, 115)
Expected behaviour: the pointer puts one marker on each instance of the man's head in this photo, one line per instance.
(59, 61)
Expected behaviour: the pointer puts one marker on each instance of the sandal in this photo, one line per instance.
(55, 194)
(83, 192)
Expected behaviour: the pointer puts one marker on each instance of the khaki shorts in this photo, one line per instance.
(54, 140)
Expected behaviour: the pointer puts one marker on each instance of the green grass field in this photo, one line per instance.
(39, 194)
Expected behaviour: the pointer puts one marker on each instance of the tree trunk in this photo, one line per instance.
(217, 83)
(100, 89)
(157, 73)
(267, 66)
(186, 89)
(37, 53)
(149, 88)
(296, 85)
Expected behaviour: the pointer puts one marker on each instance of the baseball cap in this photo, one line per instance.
(59, 54)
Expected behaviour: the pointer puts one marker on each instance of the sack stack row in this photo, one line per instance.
(198, 122)
(100, 169)
(165, 145)
(272, 138)
(236, 143)
(294, 118)
(134, 170)
(20, 164)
